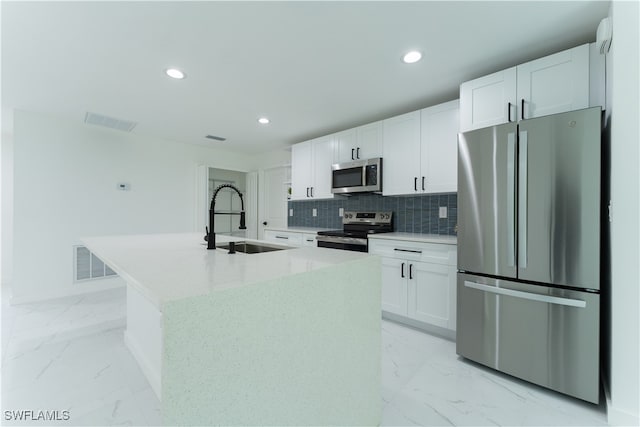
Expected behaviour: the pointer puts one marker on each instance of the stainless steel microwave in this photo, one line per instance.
(357, 177)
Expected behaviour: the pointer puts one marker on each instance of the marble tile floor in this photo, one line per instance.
(90, 373)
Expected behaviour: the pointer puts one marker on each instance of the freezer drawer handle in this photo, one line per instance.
(407, 250)
(526, 295)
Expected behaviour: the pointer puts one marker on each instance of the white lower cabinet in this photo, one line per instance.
(430, 294)
(394, 286)
(418, 280)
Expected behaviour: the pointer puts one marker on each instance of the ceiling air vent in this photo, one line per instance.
(216, 138)
(109, 122)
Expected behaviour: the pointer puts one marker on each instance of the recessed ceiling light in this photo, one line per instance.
(263, 121)
(175, 73)
(411, 57)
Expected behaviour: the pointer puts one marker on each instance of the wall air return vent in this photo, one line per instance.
(109, 122)
(87, 266)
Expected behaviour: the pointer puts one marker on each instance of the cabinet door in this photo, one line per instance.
(439, 149)
(429, 293)
(300, 170)
(488, 101)
(322, 159)
(346, 143)
(554, 84)
(369, 141)
(394, 285)
(401, 154)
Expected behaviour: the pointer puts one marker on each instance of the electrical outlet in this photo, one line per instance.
(315, 212)
(290, 212)
(340, 212)
(443, 211)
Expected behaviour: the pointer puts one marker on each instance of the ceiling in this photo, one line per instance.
(313, 68)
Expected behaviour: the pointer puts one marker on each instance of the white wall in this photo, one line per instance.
(625, 138)
(6, 214)
(65, 178)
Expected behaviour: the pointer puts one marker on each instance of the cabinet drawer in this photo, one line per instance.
(283, 237)
(414, 251)
(309, 239)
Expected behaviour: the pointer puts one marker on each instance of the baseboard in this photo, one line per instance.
(425, 327)
(617, 417)
(78, 289)
(152, 376)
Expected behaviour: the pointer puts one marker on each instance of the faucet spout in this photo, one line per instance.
(211, 236)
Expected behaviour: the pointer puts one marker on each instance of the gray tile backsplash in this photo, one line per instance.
(412, 214)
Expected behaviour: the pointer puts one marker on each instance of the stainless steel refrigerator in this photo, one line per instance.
(528, 284)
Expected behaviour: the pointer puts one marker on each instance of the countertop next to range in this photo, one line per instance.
(166, 267)
(417, 237)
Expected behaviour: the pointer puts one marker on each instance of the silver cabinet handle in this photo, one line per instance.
(511, 195)
(526, 295)
(522, 201)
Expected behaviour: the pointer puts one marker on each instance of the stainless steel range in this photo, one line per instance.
(356, 228)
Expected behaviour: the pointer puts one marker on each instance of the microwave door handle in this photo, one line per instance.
(364, 176)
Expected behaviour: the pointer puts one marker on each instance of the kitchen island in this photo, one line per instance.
(284, 337)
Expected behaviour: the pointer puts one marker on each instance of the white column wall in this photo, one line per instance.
(625, 255)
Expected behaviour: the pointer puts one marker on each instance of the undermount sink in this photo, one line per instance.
(252, 248)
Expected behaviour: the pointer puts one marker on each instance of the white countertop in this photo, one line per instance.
(165, 267)
(313, 230)
(417, 237)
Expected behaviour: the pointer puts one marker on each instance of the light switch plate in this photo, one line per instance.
(315, 212)
(340, 212)
(443, 211)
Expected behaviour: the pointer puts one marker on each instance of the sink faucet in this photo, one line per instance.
(211, 236)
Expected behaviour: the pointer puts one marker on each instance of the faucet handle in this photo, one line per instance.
(206, 236)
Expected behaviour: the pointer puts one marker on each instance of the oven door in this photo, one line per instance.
(358, 176)
(344, 243)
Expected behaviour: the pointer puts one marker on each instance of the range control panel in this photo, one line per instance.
(367, 217)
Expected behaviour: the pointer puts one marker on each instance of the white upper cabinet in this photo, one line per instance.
(565, 81)
(554, 84)
(300, 170)
(439, 148)
(361, 143)
(401, 154)
(488, 101)
(322, 158)
(420, 151)
(311, 169)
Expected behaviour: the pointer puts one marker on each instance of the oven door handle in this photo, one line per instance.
(346, 240)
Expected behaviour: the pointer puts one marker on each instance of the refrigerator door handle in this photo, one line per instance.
(522, 200)
(526, 295)
(511, 195)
